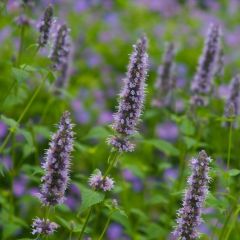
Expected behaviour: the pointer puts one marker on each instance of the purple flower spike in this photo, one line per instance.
(98, 182)
(45, 26)
(232, 103)
(166, 81)
(43, 226)
(202, 82)
(61, 48)
(57, 162)
(132, 95)
(131, 98)
(189, 216)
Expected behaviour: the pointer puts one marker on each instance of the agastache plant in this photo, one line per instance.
(202, 82)
(61, 55)
(45, 26)
(131, 98)
(165, 80)
(61, 47)
(232, 103)
(43, 227)
(189, 216)
(57, 163)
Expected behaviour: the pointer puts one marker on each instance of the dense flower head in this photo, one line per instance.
(57, 162)
(98, 182)
(232, 103)
(121, 144)
(189, 216)
(132, 95)
(45, 26)
(61, 48)
(165, 80)
(43, 226)
(202, 82)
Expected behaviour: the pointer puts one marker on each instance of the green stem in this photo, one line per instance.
(49, 103)
(106, 226)
(229, 144)
(235, 215)
(112, 160)
(225, 224)
(12, 130)
(85, 223)
(9, 91)
(20, 50)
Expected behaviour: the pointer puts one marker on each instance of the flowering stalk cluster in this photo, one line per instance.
(131, 98)
(45, 26)
(56, 178)
(165, 81)
(61, 54)
(43, 226)
(57, 162)
(202, 82)
(232, 103)
(98, 182)
(189, 216)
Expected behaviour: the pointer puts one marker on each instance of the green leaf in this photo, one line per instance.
(163, 146)
(234, 172)
(190, 142)
(97, 133)
(9, 121)
(19, 74)
(89, 198)
(187, 127)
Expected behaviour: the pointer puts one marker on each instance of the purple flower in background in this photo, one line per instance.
(19, 185)
(136, 182)
(232, 103)
(73, 199)
(3, 129)
(61, 47)
(223, 91)
(114, 232)
(7, 162)
(81, 115)
(45, 26)
(57, 162)
(4, 33)
(132, 95)
(98, 182)
(168, 131)
(105, 117)
(202, 82)
(43, 226)
(165, 80)
(170, 174)
(189, 216)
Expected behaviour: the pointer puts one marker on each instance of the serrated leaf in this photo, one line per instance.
(89, 198)
(163, 146)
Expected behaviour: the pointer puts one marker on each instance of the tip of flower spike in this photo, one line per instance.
(202, 154)
(142, 43)
(49, 10)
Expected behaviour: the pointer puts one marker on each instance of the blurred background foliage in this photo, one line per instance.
(150, 181)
